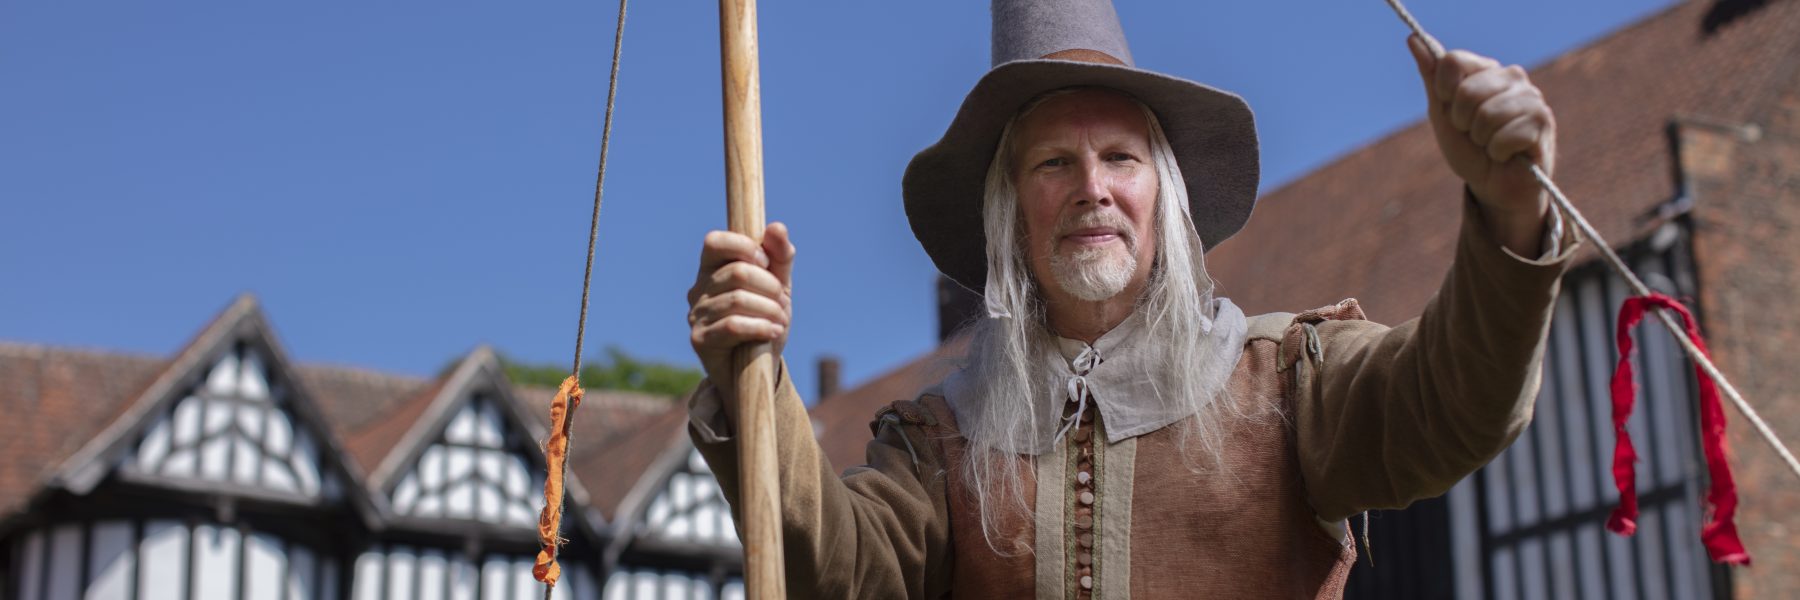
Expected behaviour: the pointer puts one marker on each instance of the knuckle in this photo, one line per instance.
(742, 274)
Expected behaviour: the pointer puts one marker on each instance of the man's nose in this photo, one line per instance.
(1093, 188)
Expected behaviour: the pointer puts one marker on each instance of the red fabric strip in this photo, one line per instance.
(1719, 534)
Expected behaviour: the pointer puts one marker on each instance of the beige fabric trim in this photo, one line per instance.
(1113, 554)
(1051, 502)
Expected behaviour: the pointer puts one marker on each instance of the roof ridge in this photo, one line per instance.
(361, 373)
(37, 350)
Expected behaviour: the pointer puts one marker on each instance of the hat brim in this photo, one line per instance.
(1212, 132)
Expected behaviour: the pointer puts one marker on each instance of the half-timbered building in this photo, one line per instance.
(228, 472)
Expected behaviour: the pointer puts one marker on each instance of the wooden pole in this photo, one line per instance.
(758, 480)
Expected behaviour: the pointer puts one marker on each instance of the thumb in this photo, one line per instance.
(781, 253)
(1426, 63)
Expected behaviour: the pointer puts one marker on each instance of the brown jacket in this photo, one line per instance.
(1355, 416)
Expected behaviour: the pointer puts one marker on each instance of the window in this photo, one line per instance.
(1540, 509)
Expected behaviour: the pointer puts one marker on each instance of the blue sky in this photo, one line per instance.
(401, 181)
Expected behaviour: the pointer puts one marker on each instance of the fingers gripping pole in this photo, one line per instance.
(1618, 265)
(761, 501)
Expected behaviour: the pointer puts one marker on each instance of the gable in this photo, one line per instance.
(689, 507)
(478, 466)
(235, 428)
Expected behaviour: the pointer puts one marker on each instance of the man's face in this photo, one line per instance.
(1087, 194)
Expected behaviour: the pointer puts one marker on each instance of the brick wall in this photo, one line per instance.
(1747, 246)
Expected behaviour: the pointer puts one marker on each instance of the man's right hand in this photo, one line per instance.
(742, 295)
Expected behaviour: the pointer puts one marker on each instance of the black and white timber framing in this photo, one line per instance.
(221, 482)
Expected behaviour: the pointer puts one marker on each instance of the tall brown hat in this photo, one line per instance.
(1044, 45)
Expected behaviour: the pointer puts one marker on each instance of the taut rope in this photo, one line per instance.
(1618, 266)
(1685, 336)
(568, 395)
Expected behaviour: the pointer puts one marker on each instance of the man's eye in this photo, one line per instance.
(1120, 157)
(1054, 162)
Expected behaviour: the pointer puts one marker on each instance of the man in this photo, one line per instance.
(1115, 429)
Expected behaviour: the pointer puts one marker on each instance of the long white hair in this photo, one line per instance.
(1005, 365)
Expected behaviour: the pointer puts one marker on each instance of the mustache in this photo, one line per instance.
(1111, 220)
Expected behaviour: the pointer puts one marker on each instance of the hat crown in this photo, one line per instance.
(1030, 29)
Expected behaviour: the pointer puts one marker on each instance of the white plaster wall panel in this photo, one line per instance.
(492, 430)
(246, 461)
(249, 457)
(65, 562)
(518, 478)
(369, 569)
(277, 476)
(111, 556)
(182, 461)
(525, 587)
(431, 575)
(462, 580)
(265, 562)
(406, 494)
(431, 467)
(462, 427)
(489, 503)
(216, 562)
(617, 586)
(156, 444)
(302, 566)
(658, 514)
(734, 590)
(460, 497)
(254, 382)
(251, 418)
(676, 586)
(494, 579)
(400, 567)
(31, 564)
(163, 574)
(187, 420)
(305, 461)
(280, 437)
(706, 516)
(679, 527)
(214, 450)
(224, 376)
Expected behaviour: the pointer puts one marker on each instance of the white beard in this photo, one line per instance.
(1093, 274)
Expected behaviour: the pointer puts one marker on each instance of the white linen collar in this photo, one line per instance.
(1118, 381)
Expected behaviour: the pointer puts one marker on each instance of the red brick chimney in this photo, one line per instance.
(830, 379)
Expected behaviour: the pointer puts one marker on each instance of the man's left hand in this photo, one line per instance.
(1484, 115)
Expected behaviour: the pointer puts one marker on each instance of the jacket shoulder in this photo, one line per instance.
(1269, 326)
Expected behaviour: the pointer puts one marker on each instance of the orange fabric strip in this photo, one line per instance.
(556, 451)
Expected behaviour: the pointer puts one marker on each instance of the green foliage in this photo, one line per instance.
(620, 371)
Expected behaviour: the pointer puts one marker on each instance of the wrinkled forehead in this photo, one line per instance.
(1068, 110)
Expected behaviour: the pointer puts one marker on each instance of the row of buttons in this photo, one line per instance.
(1083, 438)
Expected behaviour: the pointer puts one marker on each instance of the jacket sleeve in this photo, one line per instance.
(1392, 415)
(878, 531)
